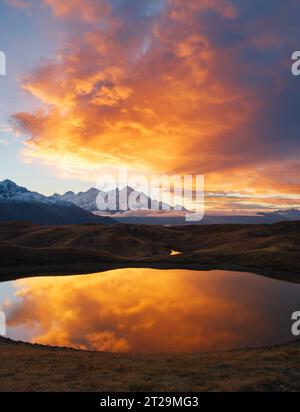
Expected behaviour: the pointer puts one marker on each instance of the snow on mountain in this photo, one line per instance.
(88, 200)
(85, 200)
(11, 192)
(18, 203)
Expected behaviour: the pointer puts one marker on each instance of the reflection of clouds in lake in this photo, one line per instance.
(145, 310)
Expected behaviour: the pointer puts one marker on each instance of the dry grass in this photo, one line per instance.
(27, 249)
(29, 368)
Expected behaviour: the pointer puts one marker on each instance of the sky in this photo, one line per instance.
(158, 86)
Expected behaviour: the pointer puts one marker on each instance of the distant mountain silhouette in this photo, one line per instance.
(287, 214)
(178, 218)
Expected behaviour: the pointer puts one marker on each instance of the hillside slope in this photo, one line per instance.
(48, 214)
(267, 249)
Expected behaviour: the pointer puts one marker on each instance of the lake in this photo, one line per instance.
(149, 310)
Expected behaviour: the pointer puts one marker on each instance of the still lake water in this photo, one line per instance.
(148, 310)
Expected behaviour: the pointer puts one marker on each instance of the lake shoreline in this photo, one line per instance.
(14, 273)
(31, 250)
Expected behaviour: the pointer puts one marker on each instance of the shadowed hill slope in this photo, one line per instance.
(48, 214)
(267, 249)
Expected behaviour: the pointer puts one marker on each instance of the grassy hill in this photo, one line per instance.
(28, 249)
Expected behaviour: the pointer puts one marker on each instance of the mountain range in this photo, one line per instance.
(88, 200)
(163, 216)
(19, 203)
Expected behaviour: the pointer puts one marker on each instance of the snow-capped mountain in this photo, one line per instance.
(10, 191)
(88, 200)
(18, 203)
(85, 200)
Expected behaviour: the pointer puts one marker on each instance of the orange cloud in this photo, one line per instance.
(132, 106)
(163, 91)
(180, 10)
(89, 10)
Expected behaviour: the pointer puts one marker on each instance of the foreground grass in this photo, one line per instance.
(29, 368)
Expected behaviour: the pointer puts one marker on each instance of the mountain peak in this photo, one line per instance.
(8, 188)
(7, 181)
(92, 190)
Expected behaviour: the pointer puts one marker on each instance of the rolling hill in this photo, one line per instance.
(27, 249)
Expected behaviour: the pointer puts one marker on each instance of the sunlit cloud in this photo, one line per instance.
(169, 87)
(90, 11)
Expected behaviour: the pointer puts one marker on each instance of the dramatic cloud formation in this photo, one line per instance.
(171, 86)
(139, 310)
(90, 10)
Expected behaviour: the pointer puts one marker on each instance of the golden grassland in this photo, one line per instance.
(26, 367)
(27, 249)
